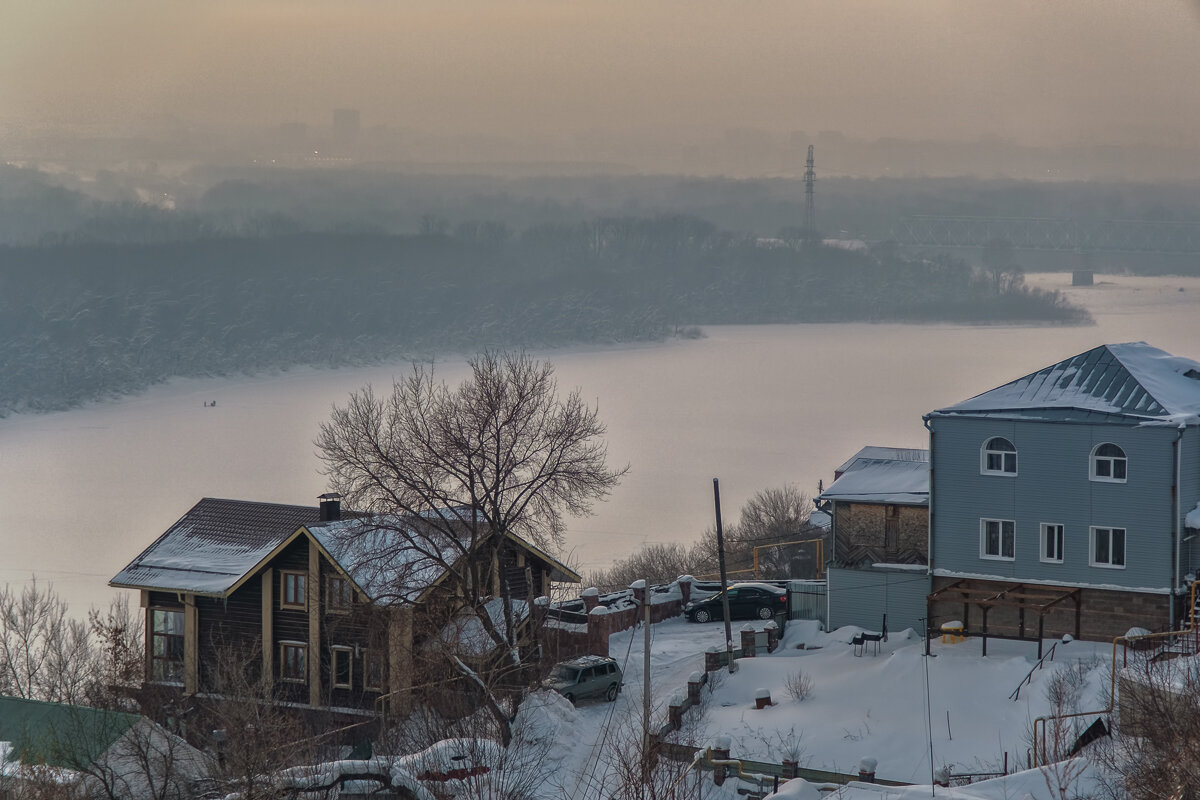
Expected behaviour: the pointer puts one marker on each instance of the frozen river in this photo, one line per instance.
(84, 491)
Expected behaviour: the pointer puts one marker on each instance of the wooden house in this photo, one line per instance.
(314, 608)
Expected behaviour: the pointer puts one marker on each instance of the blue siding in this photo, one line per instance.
(1190, 493)
(862, 596)
(1052, 485)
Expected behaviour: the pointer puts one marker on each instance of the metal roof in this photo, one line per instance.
(879, 480)
(1127, 381)
(212, 547)
(60, 735)
(885, 453)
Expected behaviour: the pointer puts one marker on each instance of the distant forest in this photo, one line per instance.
(246, 276)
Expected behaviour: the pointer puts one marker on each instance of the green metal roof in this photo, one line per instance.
(60, 735)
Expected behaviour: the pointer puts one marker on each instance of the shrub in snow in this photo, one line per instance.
(798, 685)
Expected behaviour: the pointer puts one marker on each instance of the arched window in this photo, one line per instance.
(1108, 463)
(999, 457)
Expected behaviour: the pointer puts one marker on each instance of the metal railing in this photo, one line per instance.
(1029, 677)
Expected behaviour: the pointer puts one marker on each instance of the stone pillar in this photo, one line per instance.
(695, 681)
(712, 659)
(685, 589)
(772, 630)
(591, 598)
(639, 592)
(720, 752)
(790, 769)
(762, 698)
(748, 637)
(598, 631)
(675, 711)
(866, 769)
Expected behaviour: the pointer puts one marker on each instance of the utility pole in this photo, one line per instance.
(810, 210)
(646, 765)
(724, 578)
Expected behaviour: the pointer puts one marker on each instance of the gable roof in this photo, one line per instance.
(210, 548)
(60, 735)
(884, 453)
(902, 480)
(218, 543)
(1131, 381)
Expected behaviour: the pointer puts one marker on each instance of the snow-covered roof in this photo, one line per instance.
(885, 453)
(1131, 380)
(882, 480)
(213, 545)
(218, 542)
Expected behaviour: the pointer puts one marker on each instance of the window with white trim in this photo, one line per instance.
(997, 539)
(293, 662)
(998, 457)
(341, 667)
(1052, 543)
(1108, 463)
(1108, 548)
(293, 590)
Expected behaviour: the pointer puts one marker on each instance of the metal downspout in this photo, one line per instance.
(929, 523)
(1176, 523)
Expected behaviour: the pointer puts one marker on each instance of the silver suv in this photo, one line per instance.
(586, 676)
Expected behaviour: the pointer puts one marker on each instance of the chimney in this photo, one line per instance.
(331, 507)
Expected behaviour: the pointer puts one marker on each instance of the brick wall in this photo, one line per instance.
(1104, 614)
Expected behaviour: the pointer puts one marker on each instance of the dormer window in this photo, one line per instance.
(1108, 463)
(999, 457)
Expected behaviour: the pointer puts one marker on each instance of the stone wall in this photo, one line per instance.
(865, 524)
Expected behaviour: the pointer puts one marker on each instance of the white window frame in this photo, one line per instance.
(984, 456)
(302, 649)
(341, 651)
(983, 539)
(301, 583)
(1109, 532)
(1059, 532)
(1095, 460)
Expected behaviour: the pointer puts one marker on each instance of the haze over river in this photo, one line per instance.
(84, 491)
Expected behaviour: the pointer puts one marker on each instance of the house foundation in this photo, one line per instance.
(1103, 614)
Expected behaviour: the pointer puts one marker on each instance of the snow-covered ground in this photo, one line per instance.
(887, 706)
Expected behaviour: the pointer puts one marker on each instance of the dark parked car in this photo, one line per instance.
(746, 601)
(586, 676)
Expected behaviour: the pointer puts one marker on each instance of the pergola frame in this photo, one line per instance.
(1021, 596)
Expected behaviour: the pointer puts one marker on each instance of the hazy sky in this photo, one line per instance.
(1038, 71)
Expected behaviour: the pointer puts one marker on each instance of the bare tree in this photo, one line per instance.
(1154, 750)
(770, 520)
(460, 469)
(255, 733)
(661, 562)
(44, 654)
(119, 651)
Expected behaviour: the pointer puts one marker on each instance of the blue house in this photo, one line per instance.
(1060, 501)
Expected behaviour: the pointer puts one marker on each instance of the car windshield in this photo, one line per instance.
(562, 672)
